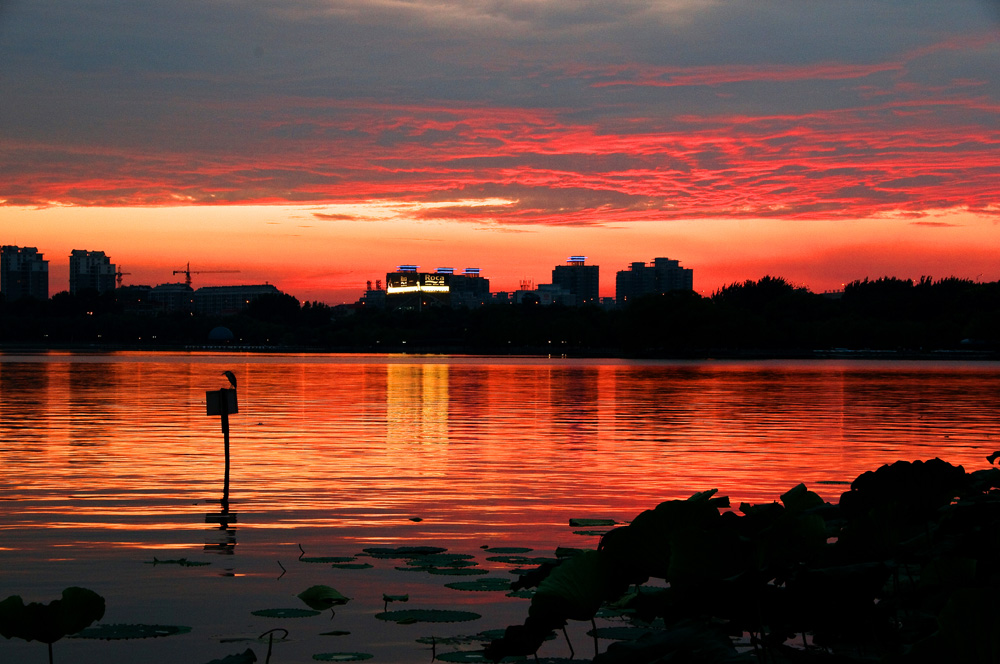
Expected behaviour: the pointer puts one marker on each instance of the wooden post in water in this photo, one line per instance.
(223, 402)
(225, 439)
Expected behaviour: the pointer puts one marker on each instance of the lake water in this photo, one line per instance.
(109, 461)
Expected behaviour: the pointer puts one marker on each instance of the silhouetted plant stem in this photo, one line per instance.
(566, 634)
(594, 625)
(270, 640)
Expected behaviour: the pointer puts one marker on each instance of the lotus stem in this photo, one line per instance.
(596, 647)
(572, 654)
(270, 640)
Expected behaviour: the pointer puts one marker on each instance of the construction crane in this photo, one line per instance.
(187, 272)
(118, 276)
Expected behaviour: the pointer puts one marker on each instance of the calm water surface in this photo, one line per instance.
(110, 460)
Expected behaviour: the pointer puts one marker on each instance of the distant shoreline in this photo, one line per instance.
(538, 352)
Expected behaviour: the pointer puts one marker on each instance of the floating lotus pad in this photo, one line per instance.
(395, 598)
(507, 549)
(590, 523)
(410, 616)
(487, 584)
(481, 637)
(590, 533)
(245, 657)
(455, 571)
(523, 593)
(336, 632)
(473, 656)
(183, 562)
(342, 656)
(351, 566)
(521, 560)
(403, 551)
(328, 559)
(322, 597)
(121, 632)
(444, 560)
(285, 613)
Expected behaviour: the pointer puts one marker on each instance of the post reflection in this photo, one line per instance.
(221, 539)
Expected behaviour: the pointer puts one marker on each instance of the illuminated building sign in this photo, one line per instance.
(416, 282)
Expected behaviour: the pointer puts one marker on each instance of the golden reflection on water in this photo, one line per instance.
(472, 447)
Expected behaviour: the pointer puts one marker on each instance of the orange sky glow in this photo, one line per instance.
(315, 145)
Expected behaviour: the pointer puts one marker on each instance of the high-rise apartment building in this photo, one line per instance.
(90, 270)
(23, 273)
(660, 276)
(581, 280)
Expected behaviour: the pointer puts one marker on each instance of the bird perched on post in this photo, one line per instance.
(231, 376)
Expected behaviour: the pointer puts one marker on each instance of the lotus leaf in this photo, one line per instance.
(521, 560)
(336, 632)
(589, 523)
(522, 594)
(328, 559)
(245, 657)
(351, 566)
(799, 498)
(508, 549)
(687, 641)
(183, 562)
(395, 598)
(78, 608)
(122, 632)
(445, 640)
(285, 613)
(444, 560)
(410, 616)
(322, 597)
(455, 571)
(620, 633)
(573, 590)
(342, 656)
(403, 551)
(459, 640)
(487, 584)
(473, 656)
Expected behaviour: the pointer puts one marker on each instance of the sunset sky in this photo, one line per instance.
(317, 144)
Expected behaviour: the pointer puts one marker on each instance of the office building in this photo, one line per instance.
(173, 297)
(469, 289)
(661, 276)
(23, 273)
(90, 270)
(229, 300)
(409, 289)
(579, 279)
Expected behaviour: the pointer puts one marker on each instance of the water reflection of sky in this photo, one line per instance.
(110, 460)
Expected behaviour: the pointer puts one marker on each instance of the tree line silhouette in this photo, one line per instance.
(768, 315)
